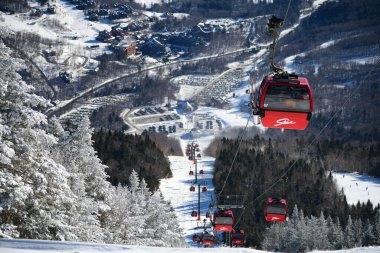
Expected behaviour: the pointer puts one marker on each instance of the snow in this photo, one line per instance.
(289, 62)
(317, 3)
(358, 187)
(176, 190)
(327, 44)
(181, 15)
(303, 14)
(30, 246)
(364, 60)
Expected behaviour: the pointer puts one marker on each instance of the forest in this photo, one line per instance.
(287, 168)
(124, 153)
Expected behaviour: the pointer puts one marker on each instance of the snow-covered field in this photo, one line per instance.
(70, 30)
(358, 187)
(30, 246)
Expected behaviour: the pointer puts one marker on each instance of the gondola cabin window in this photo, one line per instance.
(287, 98)
(276, 208)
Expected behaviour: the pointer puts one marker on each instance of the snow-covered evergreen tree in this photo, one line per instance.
(138, 217)
(302, 234)
(377, 226)
(35, 200)
(334, 234)
(162, 224)
(321, 241)
(369, 237)
(349, 234)
(88, 173)
(87, 178)
(339, 235)
(358, 232)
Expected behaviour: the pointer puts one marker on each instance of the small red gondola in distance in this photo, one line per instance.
(223, 220)
(285, 102)
(276, 210)
(238, 238)
(208, 239)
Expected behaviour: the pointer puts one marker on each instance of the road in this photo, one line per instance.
(66, 104)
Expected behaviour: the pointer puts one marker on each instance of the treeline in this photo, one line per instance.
(303, 234)
(12, 6)
(124, 153)
(261, 162)
(107, 117)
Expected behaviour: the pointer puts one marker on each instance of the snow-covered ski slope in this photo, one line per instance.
(34, 246)
(177, 191)
(358, 187)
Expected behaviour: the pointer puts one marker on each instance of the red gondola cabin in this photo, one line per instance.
(208, 239)
(238, 238)
(194, 214)
(201, 172)
(285, 103)
(196, 238)
(204, 189)
(191, 173)
(276, 210)
(192, 188)
(223, 220)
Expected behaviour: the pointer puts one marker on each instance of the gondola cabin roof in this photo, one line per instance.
(285, 103)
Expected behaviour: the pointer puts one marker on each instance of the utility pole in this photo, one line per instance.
(195, 161)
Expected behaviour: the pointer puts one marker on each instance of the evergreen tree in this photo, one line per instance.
(87, 178)
(369, 237)
(358, 232)
(321, 234)
(349, 235)
(377, 226)
(35, 199)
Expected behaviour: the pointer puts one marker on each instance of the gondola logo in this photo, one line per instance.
(284, 121)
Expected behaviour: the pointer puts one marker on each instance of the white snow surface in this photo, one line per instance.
(364, 60)
(327, 44)
(358, 187)
(31, 246)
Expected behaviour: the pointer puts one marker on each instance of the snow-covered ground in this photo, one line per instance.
(358, 187)
(177, 191)
(76, 49)
(30, 246)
